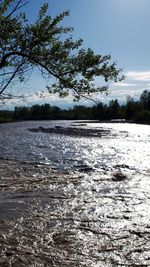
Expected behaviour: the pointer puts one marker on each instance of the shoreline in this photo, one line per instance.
(79, 121)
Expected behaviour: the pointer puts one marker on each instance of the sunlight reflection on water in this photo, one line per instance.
(85, 218)
(129, 146)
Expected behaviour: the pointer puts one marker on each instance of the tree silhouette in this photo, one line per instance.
(48, 46)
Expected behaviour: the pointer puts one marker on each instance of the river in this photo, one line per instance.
(74, 200)
(127, 144)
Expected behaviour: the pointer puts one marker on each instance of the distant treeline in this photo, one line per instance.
(134, 111)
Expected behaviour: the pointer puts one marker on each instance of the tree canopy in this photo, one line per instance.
(49, 46)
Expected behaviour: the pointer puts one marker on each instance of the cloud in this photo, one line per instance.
(44, 97)
(122, 95)
(126, 92)
(124, 84)
(142, 76)
(40, 98)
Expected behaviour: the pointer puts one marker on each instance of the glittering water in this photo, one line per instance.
(74, 201)
(129, 146)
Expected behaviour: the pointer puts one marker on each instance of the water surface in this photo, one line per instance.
(127, 144)
(62, 203)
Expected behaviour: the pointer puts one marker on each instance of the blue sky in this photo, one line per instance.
(117, 27)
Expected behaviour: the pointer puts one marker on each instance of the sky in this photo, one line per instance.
(116, 27)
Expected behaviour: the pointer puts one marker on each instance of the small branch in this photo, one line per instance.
(11, 78)
(17, 7)
(86, 97)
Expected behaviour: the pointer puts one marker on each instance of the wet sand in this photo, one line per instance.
(51, 218)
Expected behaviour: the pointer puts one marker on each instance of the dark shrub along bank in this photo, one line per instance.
(133, 111)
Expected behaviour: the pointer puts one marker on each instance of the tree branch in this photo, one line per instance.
(11, 78)
(17, 7)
